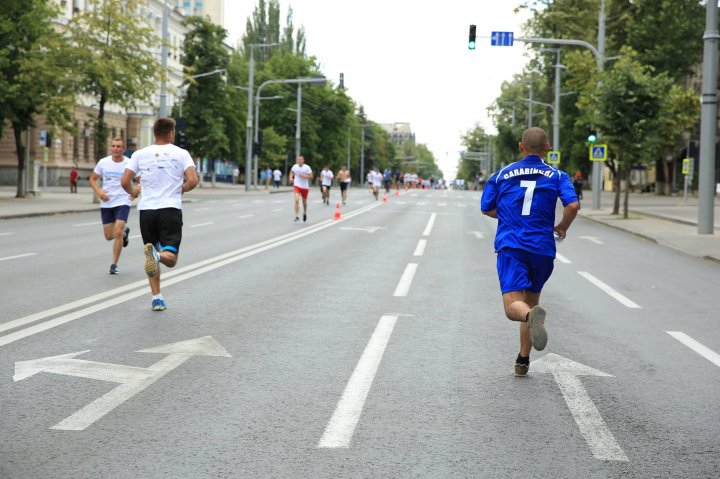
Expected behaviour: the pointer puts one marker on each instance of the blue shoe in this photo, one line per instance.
(158, 305)
(152, 258)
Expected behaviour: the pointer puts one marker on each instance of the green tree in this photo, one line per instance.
(629, 102)
(34, 77)
(476, 140)
(113, 59)
(205, 106)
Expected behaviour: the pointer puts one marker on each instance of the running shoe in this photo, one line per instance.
(158, 305)
(152, 258)
(536, 323)
(126, 236)
(114, 269)
(304, 218)
(296, 219)
(521, 367)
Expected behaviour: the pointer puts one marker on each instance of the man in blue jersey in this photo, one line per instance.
(523, 196)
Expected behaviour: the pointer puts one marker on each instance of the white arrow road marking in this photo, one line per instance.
(591, 424)
(199, 225)
(367, 229)
(591, 238)
(562, 258)
(607, 289)
(420, 249)
(132, 379)
(339, 431)
(696, 346)
(430, 224)
(24, 255)
(406, 280)
(477, 234)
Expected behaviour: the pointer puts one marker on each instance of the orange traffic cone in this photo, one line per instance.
(337, 216)
(397, 192)
(384, 197)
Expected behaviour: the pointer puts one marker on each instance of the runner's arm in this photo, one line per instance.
(93, 184)
(569, 214)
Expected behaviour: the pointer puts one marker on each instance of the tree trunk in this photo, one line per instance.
(667, 185)
(17, 130)
(627, 191)
(101, 133)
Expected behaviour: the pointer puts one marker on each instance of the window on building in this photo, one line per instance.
(76, 142)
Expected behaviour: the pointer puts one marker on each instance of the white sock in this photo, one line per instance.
(157, 296)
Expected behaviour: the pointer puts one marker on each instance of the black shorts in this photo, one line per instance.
(162, 228)
(344, 185)
(117, 213)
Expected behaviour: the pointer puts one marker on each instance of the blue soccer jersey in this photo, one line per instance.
(525, 195)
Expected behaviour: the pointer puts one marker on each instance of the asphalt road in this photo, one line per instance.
(375, 346)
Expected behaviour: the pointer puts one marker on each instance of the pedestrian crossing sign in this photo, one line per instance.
(553, 157)
(598, 153)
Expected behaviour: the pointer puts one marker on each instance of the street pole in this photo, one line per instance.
(163, 110)
(530, 105)
(362, 156)
(348, 150)
(708, 123)
(598, 166)
(299, 120)
(556, 112)
(249, 124)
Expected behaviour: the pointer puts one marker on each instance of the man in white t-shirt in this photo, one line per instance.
(376, 178)
(167, 172)
(300, 176)
(115, 203)
(277, 176)
(326, 179)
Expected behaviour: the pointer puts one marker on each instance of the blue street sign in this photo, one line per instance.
(598, 153)
(502, 39)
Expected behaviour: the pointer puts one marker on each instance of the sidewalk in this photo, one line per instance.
(668, 221)
(57, 200)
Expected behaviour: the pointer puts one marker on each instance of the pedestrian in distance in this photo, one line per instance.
(578, 184)
(344, 180)
(268, 177)
(115, 202)
(236, 176)
(522, 196)
(277, 176)
(376, 178)
(167, 172)
(300, 176)
(74, 179)
(326, 179)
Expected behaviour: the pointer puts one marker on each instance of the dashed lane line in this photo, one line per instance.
(17, 256)
(607, 289)
(696, 346)
(562, 258)
(339, 431)
(430, 223)
(406, 279)
(420, 249)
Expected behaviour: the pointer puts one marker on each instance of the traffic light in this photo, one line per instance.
(592, 136)
(471, 38)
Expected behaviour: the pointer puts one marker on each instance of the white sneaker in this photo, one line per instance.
(536, 323)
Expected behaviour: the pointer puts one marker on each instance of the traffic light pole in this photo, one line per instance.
(708, 123)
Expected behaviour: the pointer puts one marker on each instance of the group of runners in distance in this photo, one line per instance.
(522, 196)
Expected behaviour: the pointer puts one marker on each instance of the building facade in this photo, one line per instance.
(398, 133)
(56, 153)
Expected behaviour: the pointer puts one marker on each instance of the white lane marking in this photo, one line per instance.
(201, 209)
(175, 276)
(562, 258)
(430, 224)
(277, 210)
(421, 203)
(134, 236)
(462, 205)
(244, 216)
(200, 225)
(607, 289)
(597, 435)
(477, 234)
(6, 234)
(591, 238)
(699, 348)
(420, 249)
(367, 229)
(406, 280)
(442, 204)
(339, 431)
(401, 202)
(92, 223)
(24, 255)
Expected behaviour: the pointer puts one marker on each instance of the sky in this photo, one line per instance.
(408, 60)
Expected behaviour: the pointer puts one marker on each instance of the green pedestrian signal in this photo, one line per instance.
(592, 136)
(471, 38)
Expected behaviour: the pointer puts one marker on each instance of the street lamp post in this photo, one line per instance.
(257, 131)
(708, 122)
(163, 109)
(249, 123)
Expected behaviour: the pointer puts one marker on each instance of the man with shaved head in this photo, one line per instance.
(523, 196)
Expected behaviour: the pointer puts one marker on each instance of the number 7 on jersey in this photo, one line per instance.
(527, 204)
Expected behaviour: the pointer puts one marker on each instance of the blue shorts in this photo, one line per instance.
(111, 215)
(520, 270)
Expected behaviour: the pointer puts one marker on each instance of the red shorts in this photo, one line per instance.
(303, 191)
